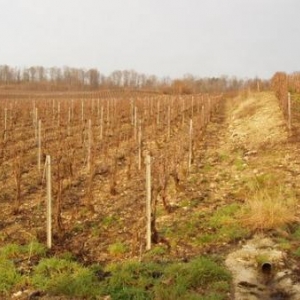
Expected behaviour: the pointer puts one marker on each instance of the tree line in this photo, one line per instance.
(79, 79)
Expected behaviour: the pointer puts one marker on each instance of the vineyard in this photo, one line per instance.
(139, 195)
(98, 145)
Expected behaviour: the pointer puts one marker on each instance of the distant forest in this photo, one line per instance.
(38, 78)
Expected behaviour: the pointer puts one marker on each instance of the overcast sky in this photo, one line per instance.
(246, 38)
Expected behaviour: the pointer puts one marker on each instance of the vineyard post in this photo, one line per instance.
(39, 144)
(202, 117)
(33, 112)
(190, 145)
(131, 111)
(82, 110)
(140, 146)
(158, 109)
(89, 145)
(53, 110)
(151, 107)
(92, 106)
(183, 109)
(5, 122)
(49, 202)
(108, 108)
(289, 112)
(209, 110)
(36, 124)
(135, 123)
(69, 122)
(192, 107)
(58, 113)
(148, 201)
(72, 109)
(101, 123)
(169, 122)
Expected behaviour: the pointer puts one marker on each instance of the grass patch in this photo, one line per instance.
(200, 278)
(240, 164)
(61, 276)
(263, 181)
(224, 215)
(297, 252)
(182, 280)
(224, 226)
(117, 249)
(9, 276)
(269, 210)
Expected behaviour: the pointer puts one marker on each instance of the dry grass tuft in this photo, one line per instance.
(268, 211)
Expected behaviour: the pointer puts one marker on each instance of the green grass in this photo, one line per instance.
(9, 276)
(61, 276)
(224, 215)
(117, 249)
(200, 278)
(12, 254)
(224, 226)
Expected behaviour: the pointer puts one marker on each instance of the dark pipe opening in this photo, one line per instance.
(266, 268)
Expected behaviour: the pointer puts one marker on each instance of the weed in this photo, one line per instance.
(108, 221)
(35, 248)
(224, 215)
(132, 280)
(78, 228)
(296, 233)
(11, 251)
(223, 156)
(297, 252)
(117, 249)
(9, 276)
(240, 164)
(207, 167)
(181, 279)
(284, 244)
(156, 251)
(60, 276)
(269, 211)
(261, 182)
(262, 258)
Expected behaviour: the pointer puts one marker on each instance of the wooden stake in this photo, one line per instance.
(69, 122)
(158, 109)
(140, 145)
(135, 123)
(89, 145)
(101, 123)
(58, 113)
(190, 144)
(5, 123)
(36, 124)
(82, 111)
(148, 201)
(39, 144)
(72, 109)
(49, 202)
(192, 107)
(169, 122)
(289, 112)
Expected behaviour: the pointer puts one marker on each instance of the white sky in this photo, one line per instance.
(245, 38)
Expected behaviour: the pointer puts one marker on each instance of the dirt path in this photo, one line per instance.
(246, 157)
